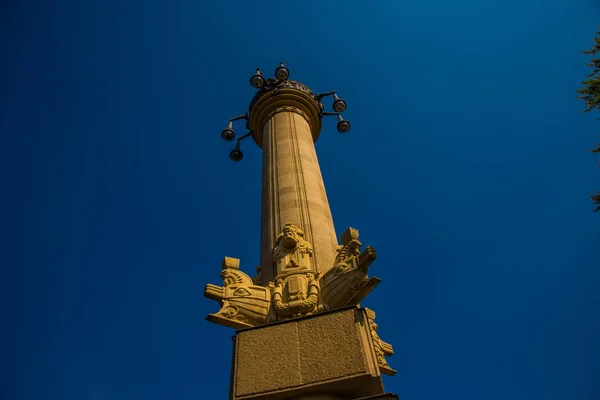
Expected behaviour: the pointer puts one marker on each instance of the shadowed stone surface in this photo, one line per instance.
(326, 353)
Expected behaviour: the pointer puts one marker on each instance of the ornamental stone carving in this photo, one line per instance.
(257, 279)
(274, 85)
(347, 283)
(243, 304)
(382, 349)
(292, 250)
(295, 292)
(297, 289)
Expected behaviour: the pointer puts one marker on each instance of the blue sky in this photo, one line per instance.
(467, 168)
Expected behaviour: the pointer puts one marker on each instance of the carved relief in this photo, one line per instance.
(296, 288)
(257, 279)
(347, 283)
(273, 85)
(382, 349)
(295, 294)
(292, 250)
(243, 303)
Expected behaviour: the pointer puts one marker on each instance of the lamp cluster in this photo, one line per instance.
(282, 74)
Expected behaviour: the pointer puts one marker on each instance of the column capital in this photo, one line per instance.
(283, 99)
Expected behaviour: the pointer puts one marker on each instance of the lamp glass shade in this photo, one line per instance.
(339, 105)
(236, 155)
(282, 73)
(257, 81)
(228, 135)
(343, 126)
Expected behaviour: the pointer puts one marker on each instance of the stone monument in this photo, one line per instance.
(300, 331)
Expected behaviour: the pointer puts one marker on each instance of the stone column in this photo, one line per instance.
(303, 337)
(293, 189)
(285, 123)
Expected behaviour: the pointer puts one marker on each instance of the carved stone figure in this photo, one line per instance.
(296, 288)
(257, 279)
(295, 294)
(347, 283)
(243, 304)
(382, 349)
(292, 250)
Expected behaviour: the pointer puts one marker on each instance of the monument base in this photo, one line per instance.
(328, 355)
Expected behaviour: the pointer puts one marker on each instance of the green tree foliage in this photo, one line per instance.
(590, 94)
(596, 199)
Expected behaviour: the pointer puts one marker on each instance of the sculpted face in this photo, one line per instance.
(289, 242)
(290, 237)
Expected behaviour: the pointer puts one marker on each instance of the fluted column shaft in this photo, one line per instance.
(293, 190)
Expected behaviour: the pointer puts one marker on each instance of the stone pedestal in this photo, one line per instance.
(326, 356)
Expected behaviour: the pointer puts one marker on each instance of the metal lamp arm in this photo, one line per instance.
(245, 136)
(244, 116)
(319, 97)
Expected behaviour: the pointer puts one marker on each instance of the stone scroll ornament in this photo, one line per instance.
(382, 349)
(347, 283)
(295, 291)
(243, 303)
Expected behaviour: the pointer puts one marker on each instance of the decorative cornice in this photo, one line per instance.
(273, 85)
